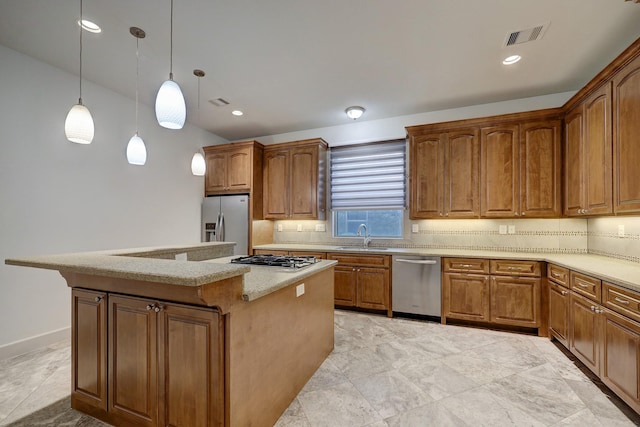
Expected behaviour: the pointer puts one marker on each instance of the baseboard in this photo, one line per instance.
(26, 345)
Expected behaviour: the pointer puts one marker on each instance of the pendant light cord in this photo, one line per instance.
(81, 30)
(171, 45)
(137, 79)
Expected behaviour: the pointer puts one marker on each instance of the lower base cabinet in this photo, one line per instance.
(466, 297)
(165, 361)
(586, 333)
(559, 313)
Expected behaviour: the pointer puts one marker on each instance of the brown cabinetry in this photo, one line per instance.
(165, 362)
(444, 175)
(626, 128)
(294, 180)
(500, 292)
(233, 168)
(362, 281)
(520, 166)
(585, 335)
(558, 299)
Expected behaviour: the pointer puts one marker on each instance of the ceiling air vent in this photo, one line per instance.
(219, 102)
(524, 36)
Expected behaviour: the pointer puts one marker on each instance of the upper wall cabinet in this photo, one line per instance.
(444, 175)
(495, 167)
(294, 180)
(235, 168)
(626, 139)
(587, 161)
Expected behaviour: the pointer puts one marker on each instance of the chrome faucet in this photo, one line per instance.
(367, 236)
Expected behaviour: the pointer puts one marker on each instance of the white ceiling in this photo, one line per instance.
(297, 64)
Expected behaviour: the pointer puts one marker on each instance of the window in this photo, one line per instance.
(368, 187)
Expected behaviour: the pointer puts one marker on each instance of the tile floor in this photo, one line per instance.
(383, 372)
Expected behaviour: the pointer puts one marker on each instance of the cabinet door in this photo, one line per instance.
(573, 162)
(373, 288)
(466, 297)
(597, 151)
(427, 176)
(239, 170)
(133, 382)
(276, 184)
(585, 332)
(540, 168)
(191, 365)
(515, 301)
(304, 182)
(559, 313)
(462, 161)
(621, 357)
(89, 348)
(216, 172)
(345, 279)
(625, 133)
(499, 178)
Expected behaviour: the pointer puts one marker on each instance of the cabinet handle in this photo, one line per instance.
(158, 308)
(554, 274)
(564, 292)
(621, 301)
(447, 214)
(582, 285)
(98, 299)
(524, 213)
(466, 265)
(517, 214)
(150, 306)
(440, 213)
(593, 308)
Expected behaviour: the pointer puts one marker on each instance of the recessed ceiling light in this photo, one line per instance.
(237, 113)
(90, 26)
(511, 59)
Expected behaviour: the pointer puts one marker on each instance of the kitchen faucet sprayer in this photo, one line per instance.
(366, 235)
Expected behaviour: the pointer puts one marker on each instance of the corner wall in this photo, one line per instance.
(56, 196)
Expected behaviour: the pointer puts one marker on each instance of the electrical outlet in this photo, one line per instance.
(502, 229)
(300, 290)
(299, 227)
(321, 227)
(279, 227)
(512, 229)
(621, 230)
(415, 228)
(181, 256)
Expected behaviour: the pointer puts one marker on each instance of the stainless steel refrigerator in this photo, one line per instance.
(226, 219)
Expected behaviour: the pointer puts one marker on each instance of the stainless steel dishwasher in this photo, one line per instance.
(416, 285)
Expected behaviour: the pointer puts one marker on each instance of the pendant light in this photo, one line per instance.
(198, 165)
(171, 110)
(78, 126)
(136, 151)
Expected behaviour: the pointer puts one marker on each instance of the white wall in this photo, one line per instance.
(360, 131)
(57, 197)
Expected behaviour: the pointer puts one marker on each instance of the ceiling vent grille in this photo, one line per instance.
(219, 102)
(525, 36)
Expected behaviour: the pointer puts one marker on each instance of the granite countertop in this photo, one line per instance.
(620, 272)
(262, 280)
(143, 264)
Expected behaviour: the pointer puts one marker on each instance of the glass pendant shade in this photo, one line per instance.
(171, 110)
(78, 127)
(198, 166)
(136, 151)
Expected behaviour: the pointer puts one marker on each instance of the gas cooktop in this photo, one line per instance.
(292, 262)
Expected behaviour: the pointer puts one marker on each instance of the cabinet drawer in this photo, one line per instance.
(560, 275)
(318, 255)
(466, 265)
(588, 286)
(622, 300)
(363, 260)
(515, 268)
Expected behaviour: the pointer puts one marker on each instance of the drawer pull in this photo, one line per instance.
(593, 308)
(466, 265)
(564, 293)
(582, 285)
(621, 301)
(554, 274)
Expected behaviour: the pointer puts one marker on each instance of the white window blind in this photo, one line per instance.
(368, 176)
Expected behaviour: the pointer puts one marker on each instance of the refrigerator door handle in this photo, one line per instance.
(220, 228)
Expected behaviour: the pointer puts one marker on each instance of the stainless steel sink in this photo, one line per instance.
(360, 249)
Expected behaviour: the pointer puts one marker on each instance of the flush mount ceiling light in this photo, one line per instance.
(136, 151)
(92, 27)
(78, 126)
(354, 112)
(510, 60)
(171, 110)
(198, 165)
(237, 113)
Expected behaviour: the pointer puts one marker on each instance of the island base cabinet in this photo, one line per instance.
(621, 357)
(165, 364)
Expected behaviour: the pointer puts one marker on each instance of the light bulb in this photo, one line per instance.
(136, 151)
(171, 110)
(78, 127)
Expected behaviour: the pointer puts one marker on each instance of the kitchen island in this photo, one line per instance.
(179, 336)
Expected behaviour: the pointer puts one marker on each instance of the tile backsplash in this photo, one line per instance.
(565, 235)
